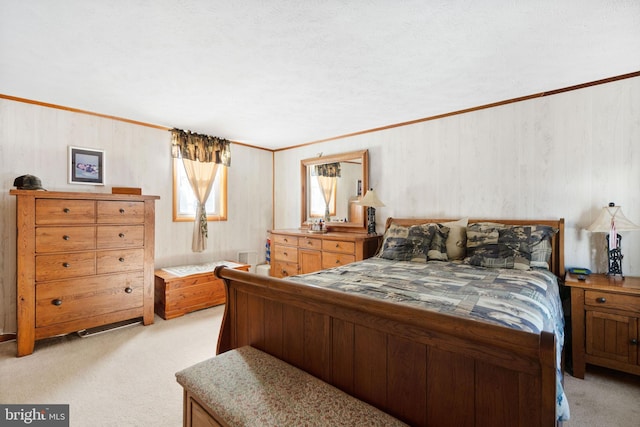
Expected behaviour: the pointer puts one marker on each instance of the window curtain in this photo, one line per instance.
(201, 156)
(327, 175)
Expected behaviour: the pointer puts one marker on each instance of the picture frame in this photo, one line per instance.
(86, 166)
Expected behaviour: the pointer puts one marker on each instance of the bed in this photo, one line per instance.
(425, 365)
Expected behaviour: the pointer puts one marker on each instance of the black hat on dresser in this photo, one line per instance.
(28, 182)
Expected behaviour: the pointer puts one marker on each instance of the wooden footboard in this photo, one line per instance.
(425, 368)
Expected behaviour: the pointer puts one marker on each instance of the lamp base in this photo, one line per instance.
(615, 258)
(371, 220)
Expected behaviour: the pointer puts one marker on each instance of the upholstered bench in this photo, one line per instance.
(247, 387)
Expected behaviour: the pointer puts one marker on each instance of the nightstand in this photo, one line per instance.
(605, 313)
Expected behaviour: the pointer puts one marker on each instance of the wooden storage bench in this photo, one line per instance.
(247, 387)
(177, 292)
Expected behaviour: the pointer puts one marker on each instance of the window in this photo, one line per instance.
(184, 202)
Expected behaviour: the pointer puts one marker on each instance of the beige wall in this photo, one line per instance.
(34, 140)
(564, 155)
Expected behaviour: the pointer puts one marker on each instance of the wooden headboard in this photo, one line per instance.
(556, 264)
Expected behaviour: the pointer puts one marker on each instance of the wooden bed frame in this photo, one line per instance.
(425, 368)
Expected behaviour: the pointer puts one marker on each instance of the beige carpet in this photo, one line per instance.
(126, 377)
(118, 378)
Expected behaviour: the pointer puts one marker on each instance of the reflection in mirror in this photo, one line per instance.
(330, 187)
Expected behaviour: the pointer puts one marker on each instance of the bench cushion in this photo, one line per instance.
(246, 386)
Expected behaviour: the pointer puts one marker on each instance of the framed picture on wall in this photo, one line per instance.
(86, 166)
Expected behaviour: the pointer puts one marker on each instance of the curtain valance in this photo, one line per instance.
(200, 148)
(329, 170)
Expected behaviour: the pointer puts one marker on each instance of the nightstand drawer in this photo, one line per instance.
(611, 300)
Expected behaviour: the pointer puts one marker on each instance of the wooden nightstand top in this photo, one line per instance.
(630, 285)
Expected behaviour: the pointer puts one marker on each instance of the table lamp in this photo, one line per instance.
(371, 201)
(611, 220)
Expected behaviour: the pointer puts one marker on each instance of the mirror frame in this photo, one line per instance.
(363, 156)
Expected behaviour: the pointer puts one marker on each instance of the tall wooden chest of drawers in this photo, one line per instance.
(299, 252)
(83, 260)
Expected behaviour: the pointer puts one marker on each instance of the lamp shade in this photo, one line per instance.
(371, 199)
(612, 218)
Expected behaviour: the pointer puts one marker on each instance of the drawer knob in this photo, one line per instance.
(65, 237)
(337, 245)
(121, 259)
(66, 210)
(337, 261)
(121, 235)
(66, 265)
(57, 302)
(634, 342)
(128, 290)
(284, 273)
(121, 210)
(601, 300)
(285, 254)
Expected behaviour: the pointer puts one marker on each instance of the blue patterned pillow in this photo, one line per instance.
(520, 247)
(438, 246)
(408, 243)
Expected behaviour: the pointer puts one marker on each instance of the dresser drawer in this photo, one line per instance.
(332, 259)
(117, 212)
(62, 266)
(309, 243)
(120, 236)
(119, 260)
(339, 246)
(284, 240)
(65, 239)
(285, 253)
(74, 299)
(284, 269)
(601, 299)
(60, 211)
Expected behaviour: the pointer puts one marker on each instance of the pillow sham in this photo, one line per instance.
(519, 247)
(456, 239)
(438, 247)
(407, 243)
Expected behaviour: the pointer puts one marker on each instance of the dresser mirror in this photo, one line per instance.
(331, 186)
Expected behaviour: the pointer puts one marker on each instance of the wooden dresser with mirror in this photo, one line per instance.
(331, 186)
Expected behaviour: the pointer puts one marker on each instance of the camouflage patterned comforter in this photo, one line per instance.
(526, 300)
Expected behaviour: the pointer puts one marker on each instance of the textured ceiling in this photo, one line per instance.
(280, 73)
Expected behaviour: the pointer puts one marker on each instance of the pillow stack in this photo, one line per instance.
(484, 244)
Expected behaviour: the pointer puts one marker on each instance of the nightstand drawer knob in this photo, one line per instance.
(121, 210)
(65, 237)
(66, 210)
(121, 235)
(601, 300)
(634, 342)
(121, 259)
(57, 302)
(66, 265)
(128, 290)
